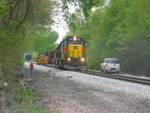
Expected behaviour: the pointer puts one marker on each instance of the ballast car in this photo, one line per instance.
(42, 59)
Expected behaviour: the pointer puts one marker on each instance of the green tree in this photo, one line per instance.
(119, 29)
(19, 18)
(43, 42)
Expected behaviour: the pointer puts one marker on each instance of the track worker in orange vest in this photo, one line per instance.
(31, 67)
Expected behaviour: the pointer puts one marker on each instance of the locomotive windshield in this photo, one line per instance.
(73, 41)
(77, 41)
(116, 61)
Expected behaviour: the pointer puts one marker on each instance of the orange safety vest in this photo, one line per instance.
(31, 65)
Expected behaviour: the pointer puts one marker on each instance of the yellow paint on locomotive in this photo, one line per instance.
(75, 51)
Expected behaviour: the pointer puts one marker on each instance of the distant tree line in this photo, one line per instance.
(118, 28)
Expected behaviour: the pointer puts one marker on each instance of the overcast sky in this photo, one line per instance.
(61, 26)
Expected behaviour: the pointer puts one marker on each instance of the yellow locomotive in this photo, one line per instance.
(71, 53)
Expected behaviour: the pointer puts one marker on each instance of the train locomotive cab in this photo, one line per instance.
(71, 53)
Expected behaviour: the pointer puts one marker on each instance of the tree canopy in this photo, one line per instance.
(119, 29)
(18, 19)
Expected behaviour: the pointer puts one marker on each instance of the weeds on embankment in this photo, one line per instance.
(19, 97)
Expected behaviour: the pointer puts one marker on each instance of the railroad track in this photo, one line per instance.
(119, 76)
(145, 81)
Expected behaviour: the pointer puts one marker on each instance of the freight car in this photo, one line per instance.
(51, 59)
(28, 57)
(46, 58)
(42, 59)
(71, 53)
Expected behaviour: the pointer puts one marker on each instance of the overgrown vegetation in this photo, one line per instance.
(28, 97)
(119, 28)
(43, 41)
(18, 97)
(19, 19)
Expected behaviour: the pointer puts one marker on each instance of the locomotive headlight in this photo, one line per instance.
(74, 38)
(82, 59)
(69, 59)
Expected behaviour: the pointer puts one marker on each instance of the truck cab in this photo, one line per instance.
(110, 65)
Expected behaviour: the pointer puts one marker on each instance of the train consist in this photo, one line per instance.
(70, 54)
(28, 57)
(47, 58)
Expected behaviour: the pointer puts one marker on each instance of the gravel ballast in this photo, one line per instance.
(73, 92)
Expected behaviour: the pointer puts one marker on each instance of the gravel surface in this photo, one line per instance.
(73, 92)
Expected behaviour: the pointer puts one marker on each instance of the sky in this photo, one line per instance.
(61, 26)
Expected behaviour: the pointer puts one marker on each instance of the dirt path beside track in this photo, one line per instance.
(55, 97)
(72, 92)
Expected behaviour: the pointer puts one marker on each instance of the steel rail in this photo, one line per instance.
(119, 77)
(145, 81)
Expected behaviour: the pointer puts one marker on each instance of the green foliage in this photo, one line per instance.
(119, 29)
(25, 91)
(84, 5)
(11, 79)
(57, 111)
(3, 8)
(43, 41)
(135, 58)
(1, 74)
(29, 99)
(18, 20)
(36, 109)
(35, 55)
